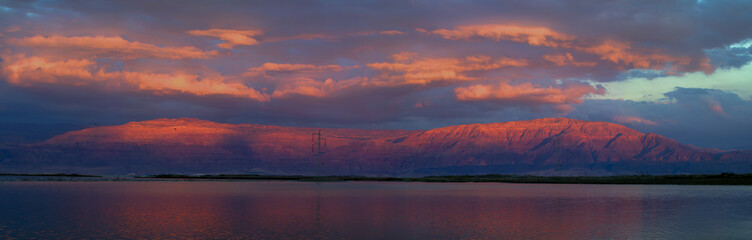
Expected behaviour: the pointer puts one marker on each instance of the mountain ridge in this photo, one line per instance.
(197, 146)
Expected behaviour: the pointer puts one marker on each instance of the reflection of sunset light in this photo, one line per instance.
(180, 210)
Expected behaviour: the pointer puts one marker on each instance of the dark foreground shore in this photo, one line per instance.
(694, 179)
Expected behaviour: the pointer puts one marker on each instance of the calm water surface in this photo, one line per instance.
(370, 210)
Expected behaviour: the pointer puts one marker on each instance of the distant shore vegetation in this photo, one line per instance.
(695, 179)
(690, 179)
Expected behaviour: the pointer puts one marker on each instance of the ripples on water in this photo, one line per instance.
(367, 210)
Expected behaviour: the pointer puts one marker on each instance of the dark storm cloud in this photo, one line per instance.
(731, 56)
(703, 117)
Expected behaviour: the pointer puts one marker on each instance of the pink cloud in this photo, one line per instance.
(314, 88)
(618, 52)
(30, 71)
(527, 93)
(302, 79)
(391, 32)
(112, 46)
(566, 60)
(230, 37)
(290, 68)
(25, 71)
(633, 120)
(311, 36)
(715, 106)
(409, 68)
(536, 36)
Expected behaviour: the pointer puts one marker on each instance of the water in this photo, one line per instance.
(370, 210)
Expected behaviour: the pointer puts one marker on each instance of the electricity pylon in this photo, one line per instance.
(316, 148)
(558, 153)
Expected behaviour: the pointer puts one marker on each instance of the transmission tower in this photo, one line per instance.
(558, 153)
(316, 148)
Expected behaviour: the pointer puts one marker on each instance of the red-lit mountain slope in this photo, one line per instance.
(198, 146)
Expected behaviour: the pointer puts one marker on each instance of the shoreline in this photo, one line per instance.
(693, 179)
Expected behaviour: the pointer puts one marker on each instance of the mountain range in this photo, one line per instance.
(551, 146)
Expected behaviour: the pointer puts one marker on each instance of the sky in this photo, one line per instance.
(682, 69)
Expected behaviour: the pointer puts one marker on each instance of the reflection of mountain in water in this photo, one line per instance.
(369, 210)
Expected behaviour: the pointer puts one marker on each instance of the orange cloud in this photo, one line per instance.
(618, 52)
(715, 106)
(405, 69)
(633, 120)
(622, 53)
(189, 84)
(391, 32)
(526, 92)
(114, 46)
(301, 79)
(567, 60)
(25, 71)
(230, 37)
(409, 68)
(536, 36)
(314, 88)
(290, 68)
(311, 36)
(33, 70)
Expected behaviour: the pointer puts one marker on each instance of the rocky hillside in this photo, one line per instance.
(542, 146)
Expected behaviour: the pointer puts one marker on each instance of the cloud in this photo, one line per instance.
(733, 55)
(566, 60)
(620, 52)
(276, 68)
(536, 36)
(716, 107)
(409, 68)
(230, 37)
(614, 51)
(314, 88)
(391, 32)
(633, 120)
(702, 117)
(111, 46)
(527, 94)
(307, 36)
(735, 80)
(28, 72)
(702, 99)
(331, 37)
(302, 79)
(187, 83)
(305, 88)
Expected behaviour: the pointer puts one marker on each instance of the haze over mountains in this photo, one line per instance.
(552, 146)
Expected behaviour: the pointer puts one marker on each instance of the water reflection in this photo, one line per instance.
(292, 210)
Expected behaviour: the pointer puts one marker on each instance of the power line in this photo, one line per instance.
(558, 153)
(316, 148)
